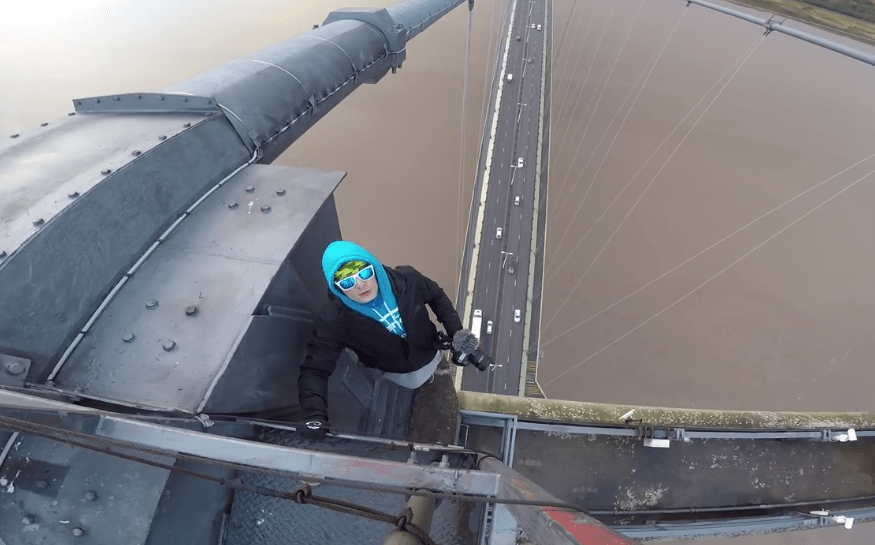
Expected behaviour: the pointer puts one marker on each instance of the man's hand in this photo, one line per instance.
(314, 430)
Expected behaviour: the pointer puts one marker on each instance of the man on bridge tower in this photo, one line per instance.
(379, 313)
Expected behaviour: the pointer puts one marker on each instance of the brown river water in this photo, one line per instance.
(692, 283)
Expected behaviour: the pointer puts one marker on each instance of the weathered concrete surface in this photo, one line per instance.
(603, 413)
(436, 410)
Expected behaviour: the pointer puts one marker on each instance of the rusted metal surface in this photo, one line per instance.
(552, 525)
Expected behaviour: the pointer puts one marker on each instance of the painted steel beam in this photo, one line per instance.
(300, 461)
(549, 524)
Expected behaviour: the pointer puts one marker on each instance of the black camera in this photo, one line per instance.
(466, 350)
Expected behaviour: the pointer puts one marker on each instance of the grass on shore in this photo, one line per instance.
(832, 20)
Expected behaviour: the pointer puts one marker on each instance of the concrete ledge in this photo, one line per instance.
(527, 408)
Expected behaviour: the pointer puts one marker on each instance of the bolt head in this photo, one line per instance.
(191, 311)
(250, 189)
(162, 137)
(116, 98)
(91, 495)
(42, 485)
(3, 254)
(128, 337)
(136, 152)
(151, 304)
(233, 205)
(15, 368)
(73, 195)
(28, 519)
(14, 136)
(280, 192)
(169, 345)
(105, 171)
(44, 124)
(186, 125)
(39, 222)
(265, 209)
(78, 532)
(71, 114)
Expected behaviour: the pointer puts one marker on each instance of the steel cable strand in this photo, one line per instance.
(655, 176)
(595, 109)
(639, 326)
(65, 435)
(462, 149)
(562, 100)
(297, 496)
(580, 93)
(727, 237)
(554, 270)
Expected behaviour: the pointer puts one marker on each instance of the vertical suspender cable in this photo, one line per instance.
(462, 151)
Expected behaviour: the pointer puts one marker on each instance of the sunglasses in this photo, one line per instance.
(348, 283)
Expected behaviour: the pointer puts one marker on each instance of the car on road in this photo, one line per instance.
(533, 26)
(539, 27)
(510, 77)
(516, 315)
(519, 163)
(489, 327)
(510, 269)
(517, 38)
(498, 233)
(516, 200)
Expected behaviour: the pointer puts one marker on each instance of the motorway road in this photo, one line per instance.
(497, 292)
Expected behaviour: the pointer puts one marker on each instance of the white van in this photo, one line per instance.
(516, 200)
(516, 315)
(498, 233)
(489, 327)
(509, 77)
(519, 162)
(539, 27)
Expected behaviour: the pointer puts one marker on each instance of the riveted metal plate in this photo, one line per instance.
(219, 260)
(13, 370)
(159, 103)
(126, 494)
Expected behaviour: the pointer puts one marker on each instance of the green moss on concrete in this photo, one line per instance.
(602, 413)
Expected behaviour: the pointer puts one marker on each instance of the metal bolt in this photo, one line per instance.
(28, 519)
(91, 495)
(3, 254)
(105, 171)
(71, 114)
(128, 337)
(160, 97)
(151, 304)
(42, 485)
(233, 205)
(116, 99)
(186, 125)
(191, 311)
(280, 192)
(73, 195)
(46, 124)
(39, 222)
(169, 345)
(265, 209)
(15, 368)
(78, 532)
(97, 100)
(250, 189)
(13, 136)
(162, 137)
(136, 152)
(185, 99)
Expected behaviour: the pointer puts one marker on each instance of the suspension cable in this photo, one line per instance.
(655, 176)
(462, 150)
(70, 436)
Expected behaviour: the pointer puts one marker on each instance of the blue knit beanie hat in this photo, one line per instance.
(341, 251)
